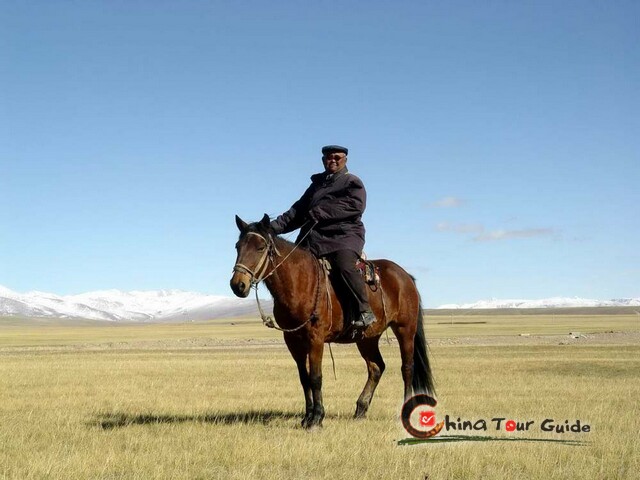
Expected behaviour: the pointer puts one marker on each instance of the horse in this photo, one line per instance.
(308, 311)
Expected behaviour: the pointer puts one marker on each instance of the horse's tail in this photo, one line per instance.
(422, 377)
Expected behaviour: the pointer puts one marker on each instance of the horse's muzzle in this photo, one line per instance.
(240, 284)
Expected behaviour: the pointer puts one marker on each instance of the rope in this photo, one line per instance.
(333, 362)
(325, 269)
(384, 311)
(268, 320)
(287, 256)
(322, 264)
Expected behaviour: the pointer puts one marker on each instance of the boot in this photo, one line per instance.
(366, 319)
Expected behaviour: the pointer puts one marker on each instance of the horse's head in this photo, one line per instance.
(255, 248)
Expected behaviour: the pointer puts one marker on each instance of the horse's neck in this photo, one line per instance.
(287, 284)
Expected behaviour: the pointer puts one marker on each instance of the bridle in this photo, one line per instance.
(258, 274)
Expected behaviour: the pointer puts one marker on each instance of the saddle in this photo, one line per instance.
(371, 275)
(369, 271)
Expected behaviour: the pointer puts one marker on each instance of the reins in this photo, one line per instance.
(259, 276)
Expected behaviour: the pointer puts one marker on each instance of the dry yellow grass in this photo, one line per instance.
(156, 401)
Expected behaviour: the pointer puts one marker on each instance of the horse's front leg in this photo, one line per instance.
(300, 352)
(315, 378)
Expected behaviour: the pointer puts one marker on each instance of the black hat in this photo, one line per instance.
(335, 149)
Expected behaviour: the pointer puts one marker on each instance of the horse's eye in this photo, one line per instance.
(261, 249)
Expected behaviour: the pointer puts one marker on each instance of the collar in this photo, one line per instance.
(326, 178)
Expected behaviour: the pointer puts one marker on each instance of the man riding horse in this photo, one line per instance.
(329, 214)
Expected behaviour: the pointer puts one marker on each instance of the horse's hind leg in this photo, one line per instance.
(405, 336)
(370, 351)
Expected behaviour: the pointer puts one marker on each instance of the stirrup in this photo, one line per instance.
(366, 319)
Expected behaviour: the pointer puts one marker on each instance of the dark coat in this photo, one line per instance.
(337, 205)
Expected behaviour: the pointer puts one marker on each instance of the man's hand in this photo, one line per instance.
(312, 217)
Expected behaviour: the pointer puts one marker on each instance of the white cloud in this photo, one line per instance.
(481, 235)
(508, 234)
(460, 227)
(447, 202)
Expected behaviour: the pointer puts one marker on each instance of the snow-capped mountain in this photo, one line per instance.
(115, 305)
(177, 305)
(555, 302)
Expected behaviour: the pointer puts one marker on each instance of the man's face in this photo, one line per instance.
(334, 162)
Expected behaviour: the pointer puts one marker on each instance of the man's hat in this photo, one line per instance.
(334, 149)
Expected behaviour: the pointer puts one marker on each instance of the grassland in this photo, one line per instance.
(222, 400)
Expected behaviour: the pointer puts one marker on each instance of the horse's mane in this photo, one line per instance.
(267, 231)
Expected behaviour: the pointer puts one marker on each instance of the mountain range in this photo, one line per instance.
(140, 306)
(554, 302)
(177, 305)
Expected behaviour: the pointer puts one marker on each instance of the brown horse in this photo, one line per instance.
(307, 310)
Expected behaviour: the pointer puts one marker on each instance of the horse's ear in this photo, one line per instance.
(266, 221)
(242, 225)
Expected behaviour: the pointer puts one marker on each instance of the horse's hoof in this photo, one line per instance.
(314, 427)
(314, 422)
(361, 409)
(307, 421)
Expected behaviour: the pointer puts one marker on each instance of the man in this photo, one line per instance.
(330, 215)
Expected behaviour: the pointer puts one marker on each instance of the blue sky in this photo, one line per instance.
(498, 141)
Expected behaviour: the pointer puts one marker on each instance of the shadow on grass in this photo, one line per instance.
(110, 421)
(479, 438)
